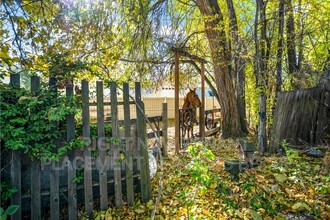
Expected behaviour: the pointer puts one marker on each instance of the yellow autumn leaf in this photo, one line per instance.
(289, 192)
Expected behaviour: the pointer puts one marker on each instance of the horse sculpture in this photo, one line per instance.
(188, 112)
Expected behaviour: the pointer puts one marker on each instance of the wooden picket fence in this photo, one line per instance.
(125, 173)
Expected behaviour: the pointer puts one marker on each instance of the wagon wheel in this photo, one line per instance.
(209, 122)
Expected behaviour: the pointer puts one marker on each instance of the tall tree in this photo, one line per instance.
(238, 68)
(261, 56)
(218, 44)
(279, 55)
(291, 45)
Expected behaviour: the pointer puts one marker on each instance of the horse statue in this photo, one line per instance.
(188, 112)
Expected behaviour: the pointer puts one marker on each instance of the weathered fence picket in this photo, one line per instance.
(129, 149)
(88, 187)
(164, 130)
(35, 171)
(142, 145)
(103, 177)
(115, 145)
(134, 164)
(54, 179)
(72, 186)
(15, 169)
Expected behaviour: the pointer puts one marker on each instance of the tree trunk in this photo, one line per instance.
(239, 64)
(261, 69)
(291, 45)
(279, 55)
(215, 32)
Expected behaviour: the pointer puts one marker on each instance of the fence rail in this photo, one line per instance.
(49, 185)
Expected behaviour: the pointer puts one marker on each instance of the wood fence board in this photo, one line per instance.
(101, 147)
(164, 131)
(115, 145)
(72, 186)
(54, 174)
(35, 171)
(141, 134)
(129, 150)
(15, 168)
(88, 184)
(54, 194)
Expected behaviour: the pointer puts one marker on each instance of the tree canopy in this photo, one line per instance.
(254, 47)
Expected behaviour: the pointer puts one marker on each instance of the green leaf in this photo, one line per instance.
(12, 209)
(255, 215)
(1, 211)
(300, 206)
(280, 177)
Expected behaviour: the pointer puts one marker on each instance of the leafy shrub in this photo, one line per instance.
(29, 123)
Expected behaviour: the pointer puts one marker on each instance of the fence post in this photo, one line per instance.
(164, 130)
(88, 187)
(35, 168)
(70, 135)
(142, 142)
(54, 173)
(129, 150)
(103, 177)
(15, 169)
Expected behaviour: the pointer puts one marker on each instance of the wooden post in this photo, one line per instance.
(116, 155)
(142, 146)
(70, 135)
(164, 130)
(202, 108)
(103, 177)
(54, 173)
(176, 103)
(35, 168)
(15, 168)
(88, 187)
(129, 149)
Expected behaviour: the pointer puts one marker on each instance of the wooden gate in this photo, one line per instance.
(187, 121)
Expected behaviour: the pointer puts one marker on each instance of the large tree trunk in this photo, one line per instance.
(215, 32)
(239, 64)
(261, 69)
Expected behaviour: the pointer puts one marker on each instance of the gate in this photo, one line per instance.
(188, 119)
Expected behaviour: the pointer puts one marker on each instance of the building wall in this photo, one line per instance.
(153, 107)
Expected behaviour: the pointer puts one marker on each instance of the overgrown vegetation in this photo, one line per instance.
(30, 122)
(273, 190)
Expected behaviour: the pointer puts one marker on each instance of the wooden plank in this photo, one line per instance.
(101, 148)
(212, 131)
(15, 168)
(164, 131)
(142, 146)
(35, 168)
(129, 149)
(176, 103)
(88, 189)
(54, 174)
(70, 135)
(202, 108)
(54, 193)
(15, 80)
(117, 164)
(109, 103)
